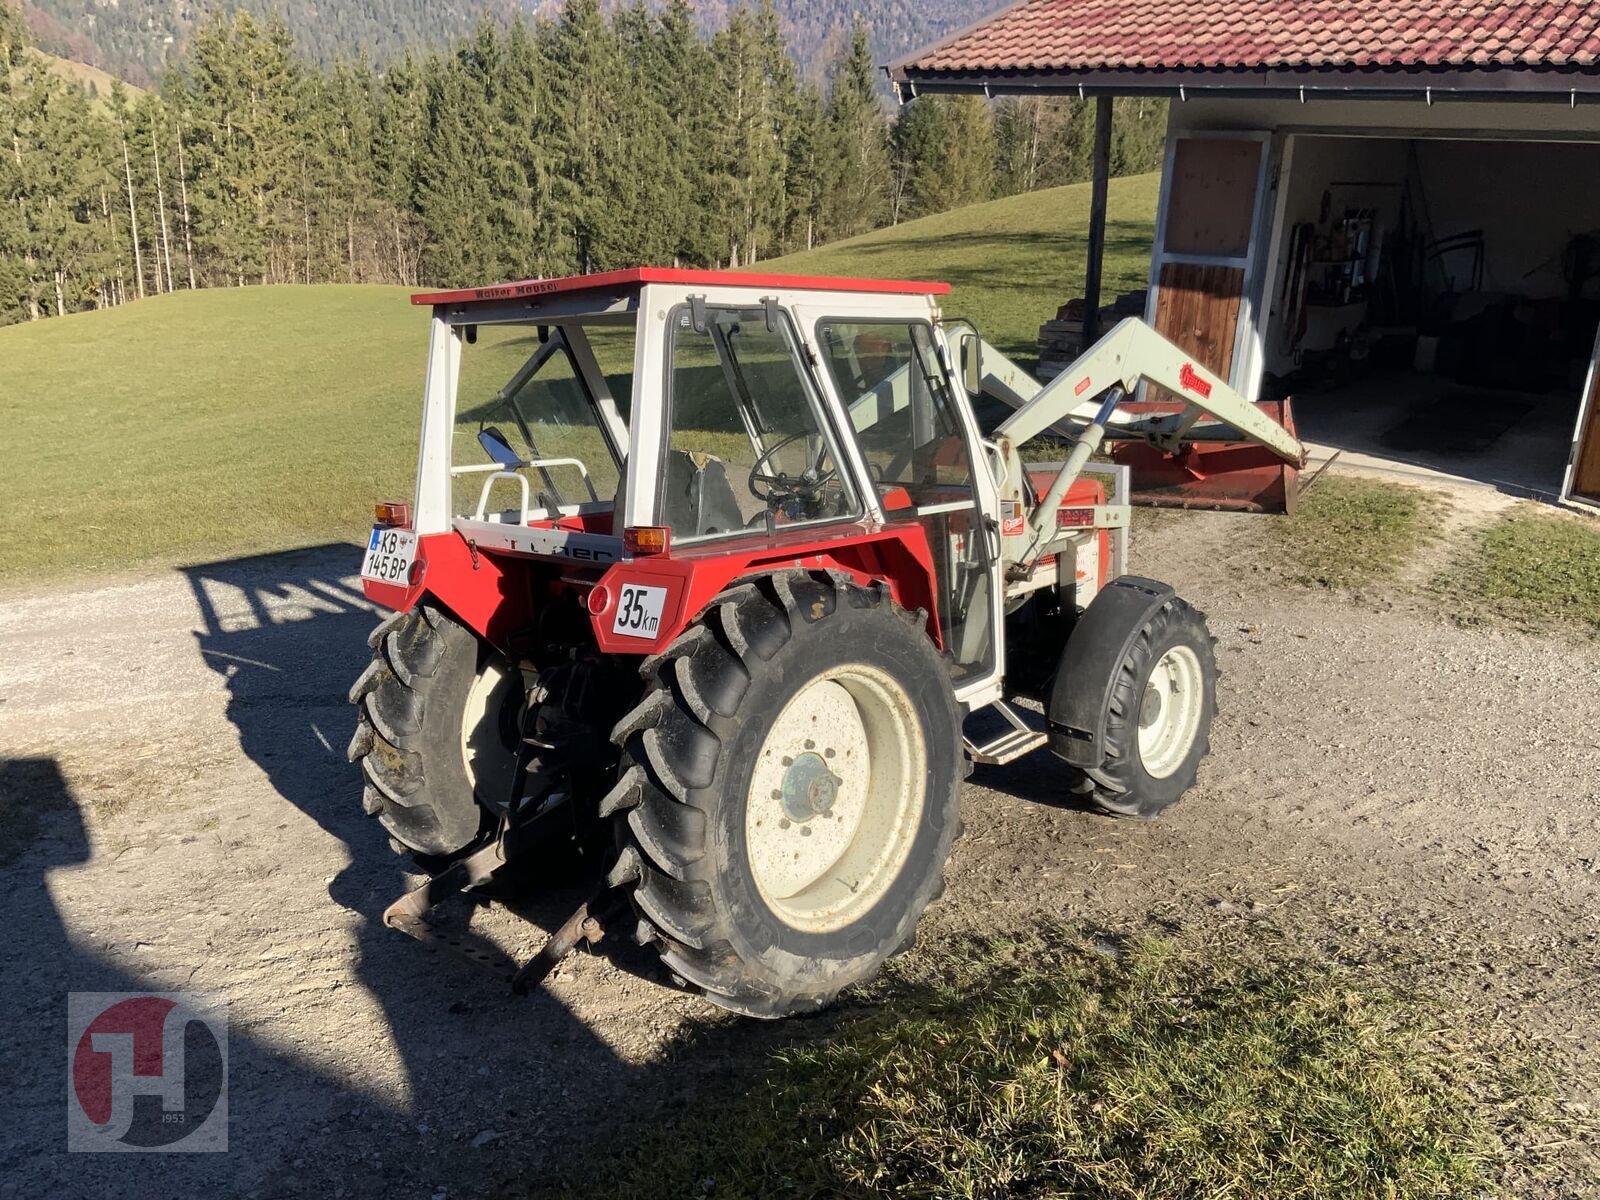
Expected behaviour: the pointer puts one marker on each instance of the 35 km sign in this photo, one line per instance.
(639, 610)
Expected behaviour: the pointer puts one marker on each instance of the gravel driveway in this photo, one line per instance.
(1382, 783)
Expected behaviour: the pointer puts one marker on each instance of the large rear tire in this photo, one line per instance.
(789, 793)
(437, 730)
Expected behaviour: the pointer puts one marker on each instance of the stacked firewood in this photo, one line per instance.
(1061, 340)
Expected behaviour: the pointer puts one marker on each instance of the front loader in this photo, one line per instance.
(712, 581)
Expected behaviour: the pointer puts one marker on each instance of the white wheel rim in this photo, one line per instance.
(489, 762)
(1169, 711)
(836, 798)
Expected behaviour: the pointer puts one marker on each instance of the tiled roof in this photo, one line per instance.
(1367, 36)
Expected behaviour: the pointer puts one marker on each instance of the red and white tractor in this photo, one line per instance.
(718, 578)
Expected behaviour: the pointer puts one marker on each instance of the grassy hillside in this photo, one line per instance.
(1010, 262)
(85, 76)
(199, 425)
(206, 423)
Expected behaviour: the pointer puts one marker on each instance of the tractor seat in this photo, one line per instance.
(698, 499)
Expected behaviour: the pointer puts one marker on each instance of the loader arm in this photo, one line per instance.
(1129, 354)
(1083, 403)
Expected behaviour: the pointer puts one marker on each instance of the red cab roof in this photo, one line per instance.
(635, 276)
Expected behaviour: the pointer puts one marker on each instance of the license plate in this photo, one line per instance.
(389, 555)
(639, 611)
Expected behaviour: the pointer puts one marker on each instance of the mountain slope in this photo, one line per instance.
(138, 39)
(93, 80)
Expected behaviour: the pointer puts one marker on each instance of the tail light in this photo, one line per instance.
(639, 540)
(393, 514)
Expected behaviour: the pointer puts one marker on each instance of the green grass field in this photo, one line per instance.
(1349, 531)
(203, 424)
(1533, 568)
(200, 425)
(1063, 1066)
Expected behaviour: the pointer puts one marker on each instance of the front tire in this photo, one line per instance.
(1158, 726)
(790, 792)
(437, 730)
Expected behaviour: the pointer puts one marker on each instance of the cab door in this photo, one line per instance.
(926, 465)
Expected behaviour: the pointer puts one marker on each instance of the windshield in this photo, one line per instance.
(526, 385)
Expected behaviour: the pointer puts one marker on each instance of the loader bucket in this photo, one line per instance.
(1233, 476)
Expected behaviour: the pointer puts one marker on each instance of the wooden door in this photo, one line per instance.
(1206, 241)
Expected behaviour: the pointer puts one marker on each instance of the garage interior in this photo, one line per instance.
(1435, 302)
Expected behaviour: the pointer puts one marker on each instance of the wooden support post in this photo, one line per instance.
(1097, 220)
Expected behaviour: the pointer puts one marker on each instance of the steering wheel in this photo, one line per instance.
(782, 486)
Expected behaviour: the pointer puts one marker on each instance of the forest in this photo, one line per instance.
(137, 39)
(588, 140)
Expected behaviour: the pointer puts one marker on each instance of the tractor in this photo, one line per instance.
(721, 582)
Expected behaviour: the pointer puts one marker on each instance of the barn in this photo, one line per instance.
(1388, 209)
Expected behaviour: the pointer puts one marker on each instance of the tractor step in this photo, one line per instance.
(409, 915)
(1021, 738)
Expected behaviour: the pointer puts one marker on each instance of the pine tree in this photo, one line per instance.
(858, 182)
(14, 276)
(453, 196)
(686, 87)
(524, 188)
(585, 65)
(398, 141)
(969, 151)
(920, 135)
(586, 142)
(808, 158)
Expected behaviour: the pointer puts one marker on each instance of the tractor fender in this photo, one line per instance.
(1080, 696)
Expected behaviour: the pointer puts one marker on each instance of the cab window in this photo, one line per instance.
(888, 376)
(747, 448)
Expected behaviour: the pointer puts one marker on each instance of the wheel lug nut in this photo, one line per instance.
(810, 745)
(783, 822)
(805, 831)
(828, 752)
(787, 761)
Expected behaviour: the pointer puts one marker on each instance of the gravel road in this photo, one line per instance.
(1383, 783)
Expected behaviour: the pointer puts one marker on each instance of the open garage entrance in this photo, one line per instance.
(1433, 302)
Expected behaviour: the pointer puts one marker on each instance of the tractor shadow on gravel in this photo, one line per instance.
(288, 633)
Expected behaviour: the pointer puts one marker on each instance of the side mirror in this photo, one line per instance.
(972, 363)
(497, 448)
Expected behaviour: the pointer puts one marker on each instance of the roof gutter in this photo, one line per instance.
(1427, 85)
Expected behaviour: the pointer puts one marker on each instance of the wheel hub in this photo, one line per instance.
(836, 795)
(1150, 709)
(809, 789)
(489, 723)
(1170, 710)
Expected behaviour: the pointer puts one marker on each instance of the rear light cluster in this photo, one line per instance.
(392, 514)
(639, 540)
